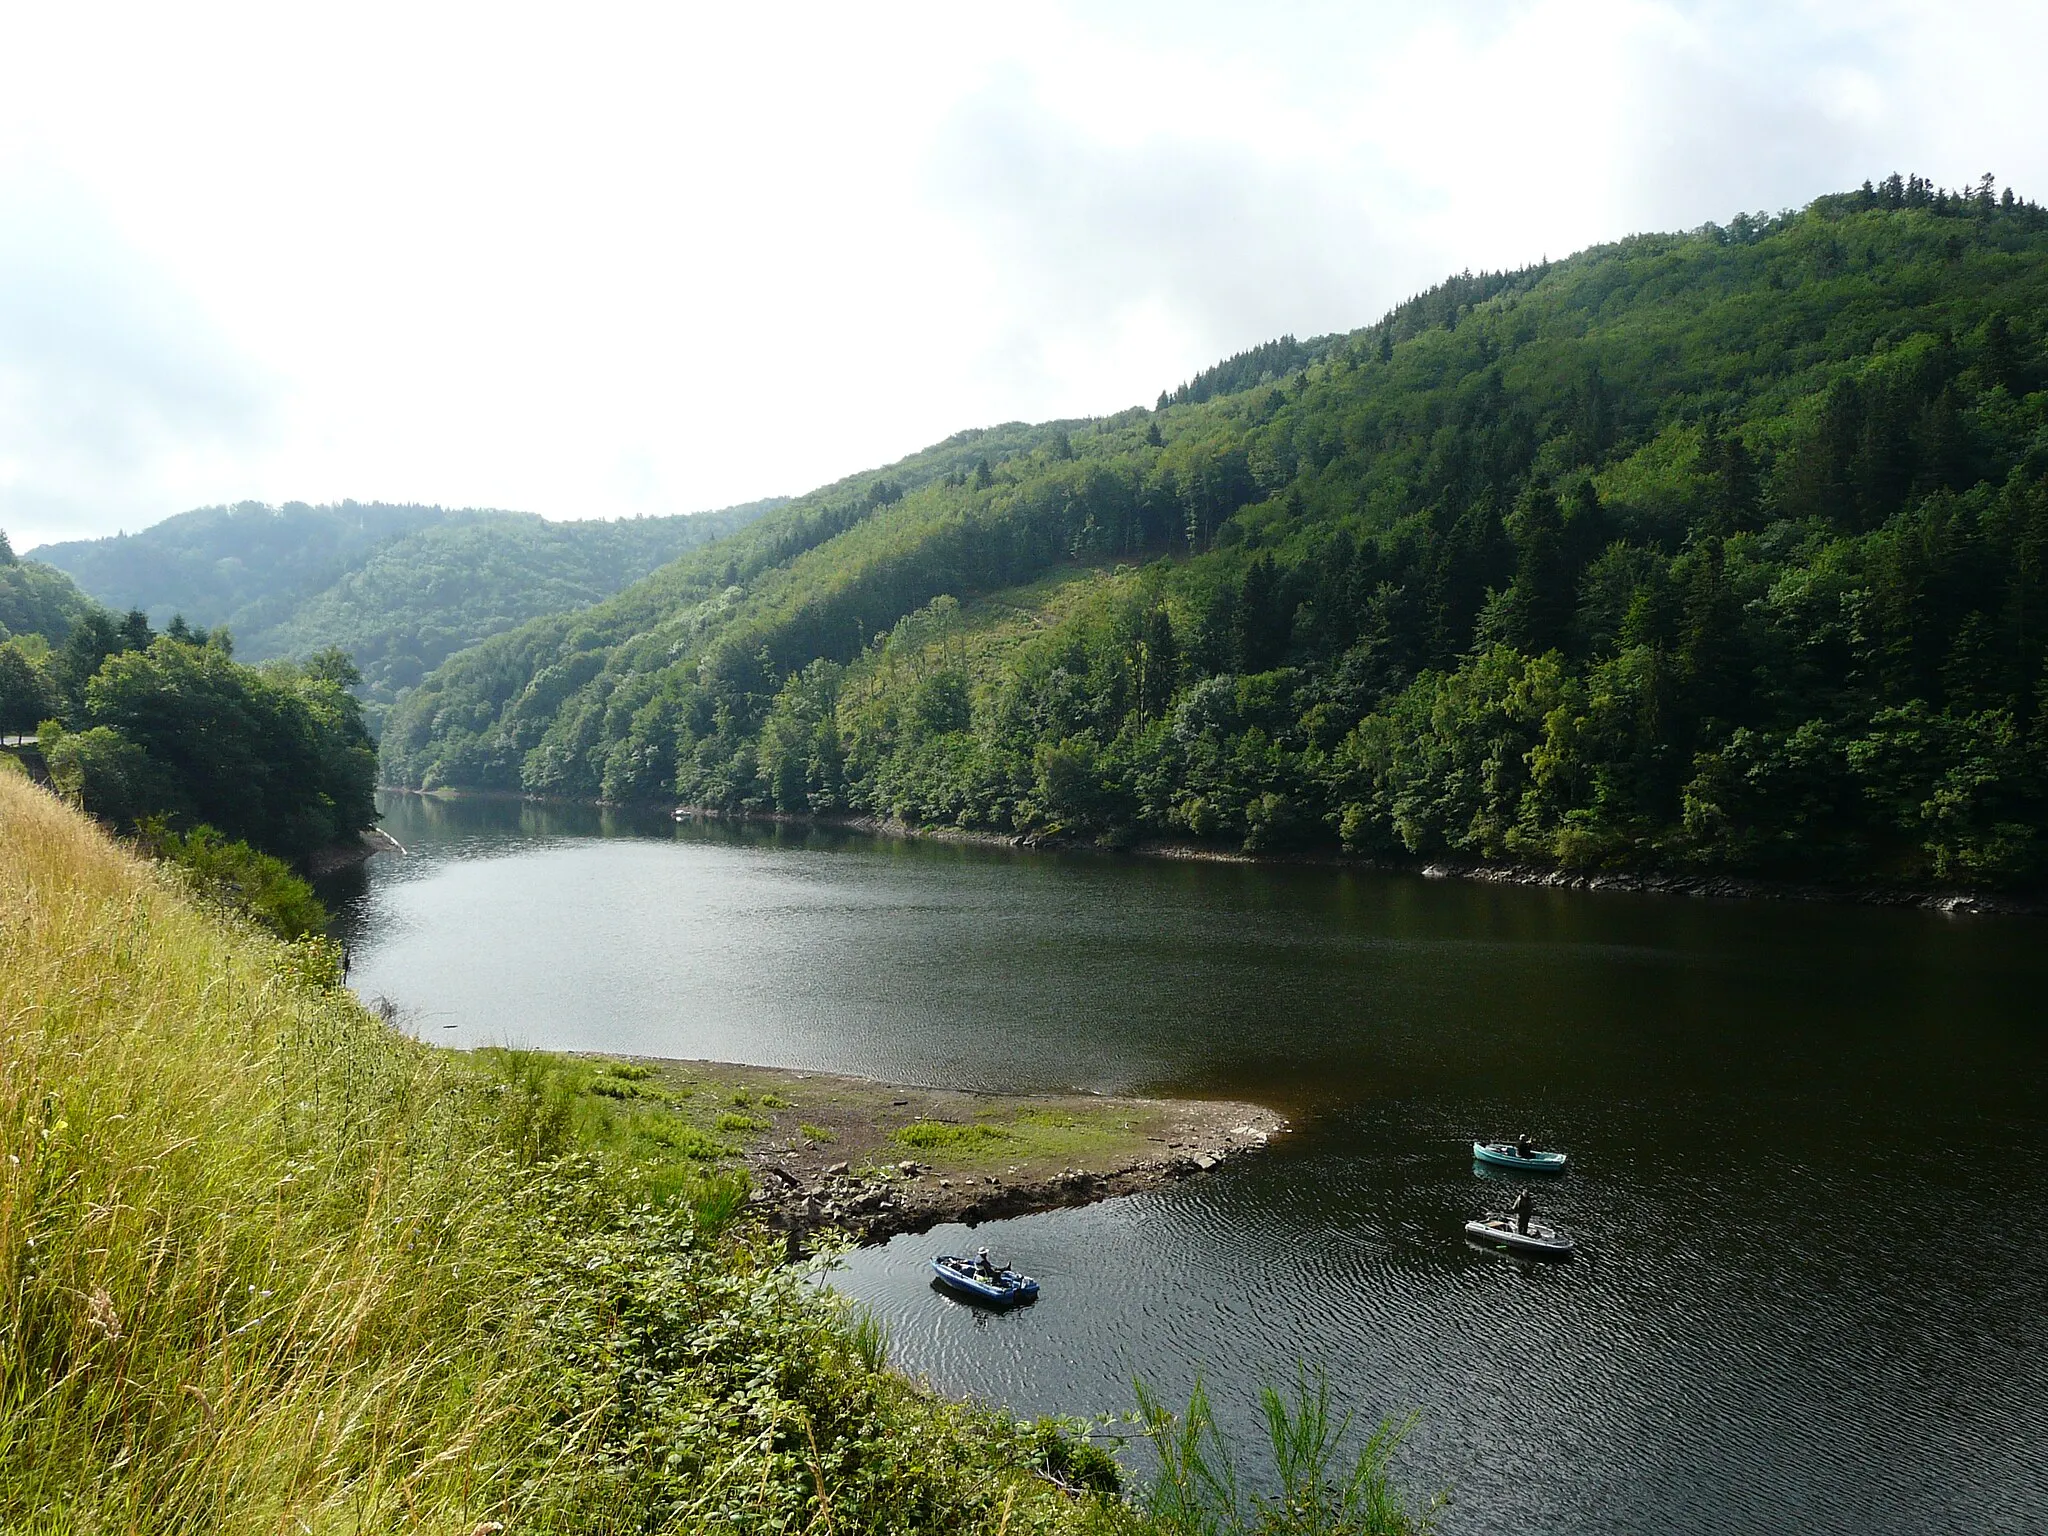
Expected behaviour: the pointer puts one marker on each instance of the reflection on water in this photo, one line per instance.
(1801, 1135)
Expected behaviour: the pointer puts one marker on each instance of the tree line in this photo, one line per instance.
(235, 772)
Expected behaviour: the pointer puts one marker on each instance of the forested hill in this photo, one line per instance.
(1716, 550)
(37, 599)
(399, 587)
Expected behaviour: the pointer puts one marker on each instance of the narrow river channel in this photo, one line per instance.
(1809, 1140)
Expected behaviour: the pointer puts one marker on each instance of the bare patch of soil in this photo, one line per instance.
(877, 1159)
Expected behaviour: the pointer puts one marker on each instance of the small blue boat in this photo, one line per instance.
(1504, 1154)
(1005, 1288)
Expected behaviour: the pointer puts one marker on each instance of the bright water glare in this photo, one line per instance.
(1807, 1137)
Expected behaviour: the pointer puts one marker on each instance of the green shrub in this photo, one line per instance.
(1068, 1457)
(104, 774)
(738, 1124)
(238, 877)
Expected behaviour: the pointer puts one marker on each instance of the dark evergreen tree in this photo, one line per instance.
(1260, 621)
(1158, 663)
(1543, 598)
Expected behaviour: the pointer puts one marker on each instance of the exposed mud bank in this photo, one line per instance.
(877, 1159)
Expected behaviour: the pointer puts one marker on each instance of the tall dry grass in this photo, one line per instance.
(252, 1242)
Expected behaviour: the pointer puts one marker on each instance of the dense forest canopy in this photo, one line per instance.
(400, 588)
(1717, 550)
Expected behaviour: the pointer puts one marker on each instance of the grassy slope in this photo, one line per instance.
(271, 1267)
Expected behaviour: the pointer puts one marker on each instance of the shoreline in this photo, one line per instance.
(877, 1160)
(1636, 882)
(348, 852)
(1956, 901)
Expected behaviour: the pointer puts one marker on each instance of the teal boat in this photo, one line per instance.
(1505, 1154)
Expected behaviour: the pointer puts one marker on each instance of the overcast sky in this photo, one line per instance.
(599, 261)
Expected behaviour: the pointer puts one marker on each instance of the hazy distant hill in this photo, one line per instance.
(1717, 550)
(398, 587)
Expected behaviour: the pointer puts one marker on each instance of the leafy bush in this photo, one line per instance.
(236, 876)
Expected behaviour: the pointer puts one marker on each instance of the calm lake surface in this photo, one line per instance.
(1809, 1140)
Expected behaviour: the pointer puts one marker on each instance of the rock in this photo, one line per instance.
(838, 1168)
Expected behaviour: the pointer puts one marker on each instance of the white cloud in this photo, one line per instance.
(113, 383)
(647, 259)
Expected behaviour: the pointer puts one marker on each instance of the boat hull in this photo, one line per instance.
(1007, 1290)
(1537, 1242)
(1501, 1154)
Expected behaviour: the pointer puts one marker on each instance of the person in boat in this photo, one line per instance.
(984, 1266)
(1524, 1206)
(1522, 1145)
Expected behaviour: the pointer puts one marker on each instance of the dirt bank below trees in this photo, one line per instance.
(1718, 887)
(877, 1159)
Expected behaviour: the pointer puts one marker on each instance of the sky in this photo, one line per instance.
(604, 261)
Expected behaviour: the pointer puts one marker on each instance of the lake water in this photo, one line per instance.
(1808, 1140)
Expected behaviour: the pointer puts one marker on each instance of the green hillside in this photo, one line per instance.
(1716, 550)
(37, 599)
(400, 588)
